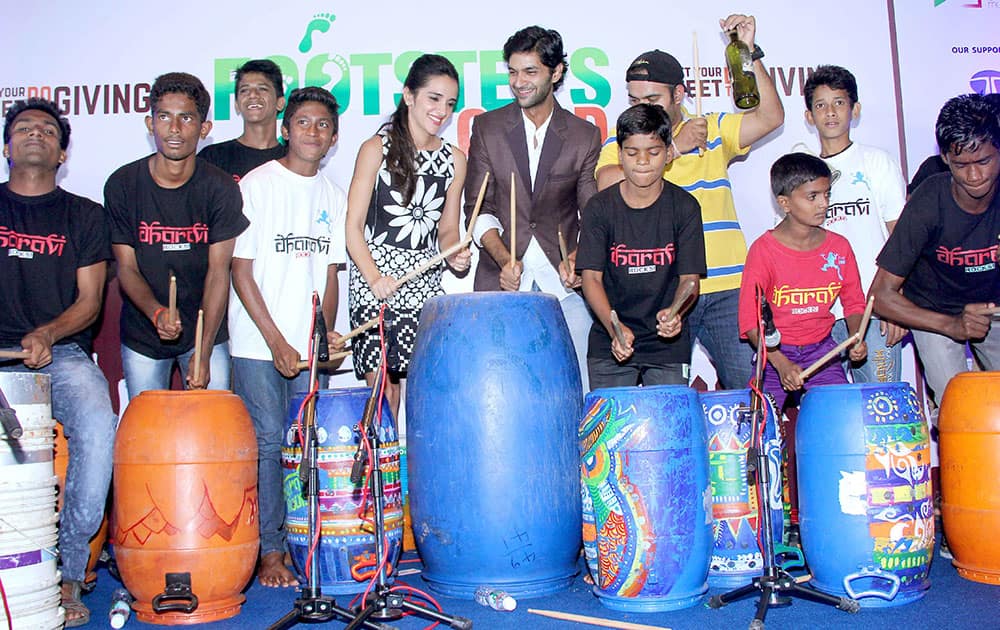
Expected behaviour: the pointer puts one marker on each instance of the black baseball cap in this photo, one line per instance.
(656, 66)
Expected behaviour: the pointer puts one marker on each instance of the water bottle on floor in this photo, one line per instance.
(495, 599)
(121, 607)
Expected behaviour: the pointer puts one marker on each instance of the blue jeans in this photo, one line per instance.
(143, 373)
(80, 401)
(713, 322)
(884, 364)
(267, 395)
(606, 372)
(942, 357)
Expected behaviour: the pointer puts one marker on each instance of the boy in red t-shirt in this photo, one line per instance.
(801, 269)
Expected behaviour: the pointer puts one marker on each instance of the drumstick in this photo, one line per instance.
(513, 221)
(616, 325)
(594, 621)
(14, 354)
(563, 250)
(806, 373)
(172, 302)
(682, 295)
(333, 362)
(198, 331)
(863, 328)
(696, 68)
(475, 211)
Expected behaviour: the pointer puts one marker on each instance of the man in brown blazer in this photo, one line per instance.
(552, 154)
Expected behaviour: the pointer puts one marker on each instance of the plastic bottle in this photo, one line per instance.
(121, 607)
(495, 599)
(745, 92)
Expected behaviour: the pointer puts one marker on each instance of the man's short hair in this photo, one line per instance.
(656, 66)
(966, 122)
(546, 42)
(643, 119)
(266, 67)
(181, 83)
(794, 169)
(42, 105)
(833, 77)
(300, 96)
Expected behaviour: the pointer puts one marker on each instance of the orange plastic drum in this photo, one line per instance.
(185, 505)
(969, 422)
(61, 462)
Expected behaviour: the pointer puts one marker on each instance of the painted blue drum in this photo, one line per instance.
(647, 508)
(492, 404)
(865, 504)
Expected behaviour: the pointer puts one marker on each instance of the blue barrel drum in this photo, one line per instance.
(492, 403)
(347, 546)
(865, 504)
(647, 502)
(736, 557)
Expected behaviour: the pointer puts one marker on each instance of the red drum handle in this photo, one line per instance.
(177, 594)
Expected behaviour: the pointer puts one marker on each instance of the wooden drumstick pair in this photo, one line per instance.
(684, 293)
(853, 340)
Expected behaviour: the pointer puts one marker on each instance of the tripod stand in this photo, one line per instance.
(774, 581)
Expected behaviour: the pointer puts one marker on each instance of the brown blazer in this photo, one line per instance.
(564, 181)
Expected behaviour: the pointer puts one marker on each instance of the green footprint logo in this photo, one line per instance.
(320, 24)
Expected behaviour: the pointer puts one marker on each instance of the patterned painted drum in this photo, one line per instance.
(865, 507)
(347, 546)
(736, 557)
(647, 501)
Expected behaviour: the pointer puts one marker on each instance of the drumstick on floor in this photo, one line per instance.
(806, 373)
(863, 328)
(198, 331)
(594, 621)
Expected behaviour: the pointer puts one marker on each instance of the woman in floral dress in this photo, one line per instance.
(404, 203)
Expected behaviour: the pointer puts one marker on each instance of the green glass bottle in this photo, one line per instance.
(744, 83)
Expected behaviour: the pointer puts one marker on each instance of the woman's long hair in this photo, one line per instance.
(402, 151)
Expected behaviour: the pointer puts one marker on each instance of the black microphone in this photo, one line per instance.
(772, 336)
(319, 330)
(361, 455)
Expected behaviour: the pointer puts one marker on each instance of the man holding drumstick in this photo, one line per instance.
(53, 272)
(943, 251)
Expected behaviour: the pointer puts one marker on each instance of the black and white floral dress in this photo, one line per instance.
(400, 239)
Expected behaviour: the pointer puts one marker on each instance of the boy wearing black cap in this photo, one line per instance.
(702, 149)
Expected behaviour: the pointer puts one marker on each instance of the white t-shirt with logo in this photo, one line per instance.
(296, 232)
(868, 192)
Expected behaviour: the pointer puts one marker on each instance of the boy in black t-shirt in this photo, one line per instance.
(173, 214)
(943, 252)
(260, 97)
(639, 241)
(52, 268)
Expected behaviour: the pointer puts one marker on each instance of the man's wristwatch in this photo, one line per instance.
(757, 53)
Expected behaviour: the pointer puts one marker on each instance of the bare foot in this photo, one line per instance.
(273, 571)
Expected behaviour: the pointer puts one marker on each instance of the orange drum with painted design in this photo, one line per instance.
(185, 505)
(969, 422)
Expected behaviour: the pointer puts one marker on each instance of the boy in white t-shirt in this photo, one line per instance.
(867, 196)
(293, 246)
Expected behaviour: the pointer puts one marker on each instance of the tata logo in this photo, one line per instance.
(985, 82)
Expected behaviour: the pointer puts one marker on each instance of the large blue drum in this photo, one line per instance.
(493, 398)
(736, 557)
(347, 546)
(647, 502)
(865, 510)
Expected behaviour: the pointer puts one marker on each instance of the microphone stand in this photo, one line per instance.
(311, 606)
(774, 581)
(383, 603)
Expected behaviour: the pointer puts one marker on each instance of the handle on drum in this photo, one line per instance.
(795, 559)
(177, 594)
(870, 572)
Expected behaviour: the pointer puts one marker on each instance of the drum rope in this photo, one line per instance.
(50, 550)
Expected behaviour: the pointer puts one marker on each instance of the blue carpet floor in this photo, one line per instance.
(951, 602)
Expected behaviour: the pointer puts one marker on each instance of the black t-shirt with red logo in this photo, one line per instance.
(642, 252)
(171, 230)
(947, 256)
(238, 159)
(43, 241)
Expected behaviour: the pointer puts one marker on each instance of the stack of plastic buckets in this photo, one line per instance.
(28, 518)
